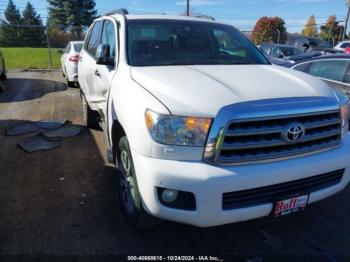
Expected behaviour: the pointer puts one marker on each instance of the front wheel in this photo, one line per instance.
(129, 193)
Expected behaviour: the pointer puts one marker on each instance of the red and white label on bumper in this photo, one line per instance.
(290, 206)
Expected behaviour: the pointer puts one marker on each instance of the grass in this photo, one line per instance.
(30, 58)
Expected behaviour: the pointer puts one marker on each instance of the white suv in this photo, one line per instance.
(203, 129)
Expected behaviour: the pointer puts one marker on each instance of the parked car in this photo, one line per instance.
(280, 61)
(311, 44)
(342, 46)
(334, 69)
(204, 130)
(69, 61)
(291, 53)
(3, 72)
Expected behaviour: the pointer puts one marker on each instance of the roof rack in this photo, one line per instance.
(205, 17)
(122, 11)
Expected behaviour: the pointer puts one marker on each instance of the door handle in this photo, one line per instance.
(97, 73)
(81, 59)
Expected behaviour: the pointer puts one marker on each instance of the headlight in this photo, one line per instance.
(177, 130)
(345, 116)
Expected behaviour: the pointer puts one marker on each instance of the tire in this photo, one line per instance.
(3, 76)
(71, 84)
(129, 194)
(90, 117)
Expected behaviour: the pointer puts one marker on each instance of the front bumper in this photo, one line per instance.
(208, 183)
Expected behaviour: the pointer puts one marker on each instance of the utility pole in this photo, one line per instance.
(188, 7)
(347, 20)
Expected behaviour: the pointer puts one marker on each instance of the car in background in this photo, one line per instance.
(290, 53)
(310, 44)
(333, 69)
(342, 46)
(279, 61)
(69, 60)
(3, 72)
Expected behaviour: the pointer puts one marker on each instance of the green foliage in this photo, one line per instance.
(269, 29)
(71, 15)
(33, 34)
(30, 58)
(331, 31)
(21, 30)
(310, 27)
(10, 26)
(60, 39)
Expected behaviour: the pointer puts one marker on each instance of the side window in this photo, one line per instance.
(345, 45)
(265, 49)
(67, 49)
(329, 69)
(300, 42)
(302, 67)
(276, 52)
(226, 43)
(109, 38)
(94, 39)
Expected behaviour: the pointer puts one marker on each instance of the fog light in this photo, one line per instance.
(169, 195)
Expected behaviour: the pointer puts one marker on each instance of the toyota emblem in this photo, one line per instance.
(294, 133)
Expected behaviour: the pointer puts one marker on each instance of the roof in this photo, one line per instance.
(325, 57)
(168, 17)
(278, 45)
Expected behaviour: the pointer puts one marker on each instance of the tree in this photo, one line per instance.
(10, 26)
(310, 27)
(331, 31)
(33, 31)
(269, 29)
(71, 15)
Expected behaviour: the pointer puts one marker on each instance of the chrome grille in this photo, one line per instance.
(261, 139)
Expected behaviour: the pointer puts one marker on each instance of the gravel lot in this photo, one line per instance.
(40, 213)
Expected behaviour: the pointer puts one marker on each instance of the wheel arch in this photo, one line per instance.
(117, 133)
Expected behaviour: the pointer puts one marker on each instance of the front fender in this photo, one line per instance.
(128, 103)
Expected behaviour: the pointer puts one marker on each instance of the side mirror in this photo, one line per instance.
(60, 51)
(103, 56)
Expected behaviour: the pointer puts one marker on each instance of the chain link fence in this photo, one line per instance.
(38, 47)
(34, 46)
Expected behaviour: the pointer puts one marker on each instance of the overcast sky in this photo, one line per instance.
(241, 13)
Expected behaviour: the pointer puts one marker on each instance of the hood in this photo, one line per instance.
(203, 90)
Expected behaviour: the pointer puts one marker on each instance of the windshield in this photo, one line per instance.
(173, 42)
(291, 51)
(78, 47)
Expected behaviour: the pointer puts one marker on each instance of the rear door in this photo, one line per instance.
(87, 64)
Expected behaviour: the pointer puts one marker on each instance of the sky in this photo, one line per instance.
(241, 13)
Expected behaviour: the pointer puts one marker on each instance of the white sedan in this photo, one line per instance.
(342, 46)
(69, 60)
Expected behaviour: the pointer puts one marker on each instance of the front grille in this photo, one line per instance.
(261, 139)
(269, 194)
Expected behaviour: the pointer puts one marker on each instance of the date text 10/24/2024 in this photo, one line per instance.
(173, 258)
